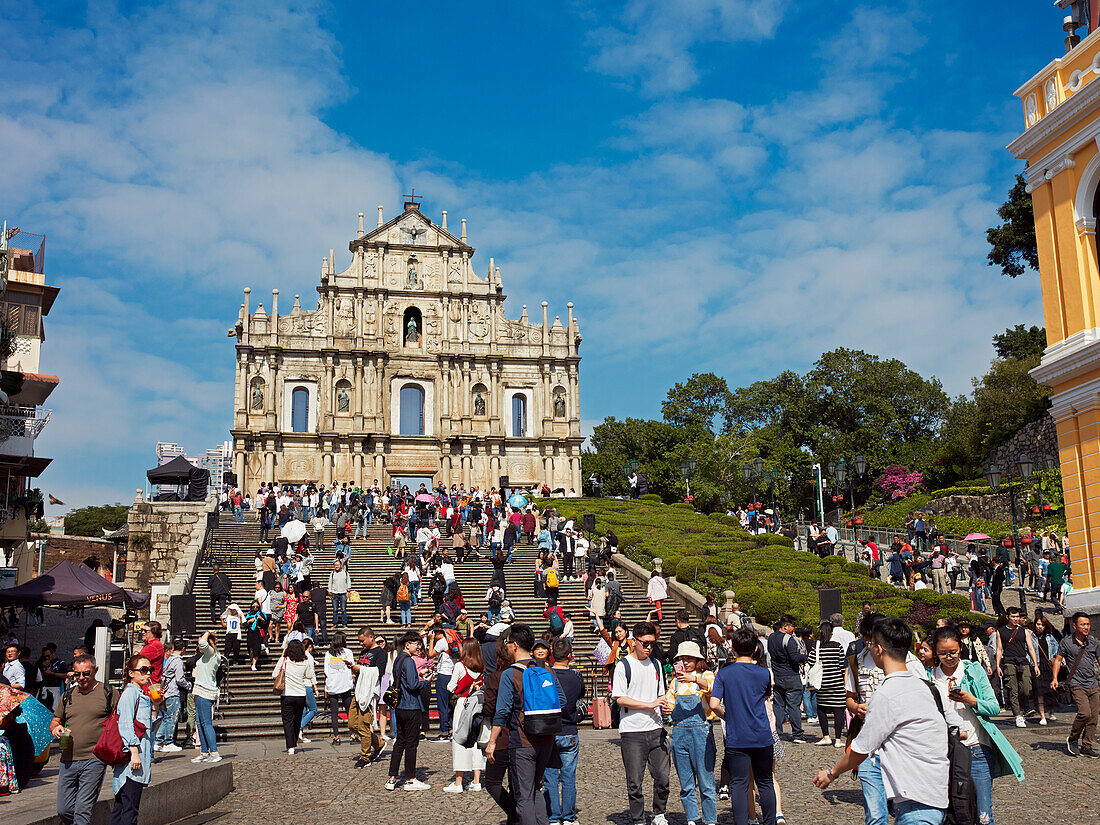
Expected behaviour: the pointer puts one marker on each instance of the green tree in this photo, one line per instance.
(1013, 242)
(1020, 342)
(655, 445)
(704, 399)
(92, 521)
(1006, 398)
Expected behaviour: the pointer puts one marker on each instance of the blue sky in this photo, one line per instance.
(726, 185)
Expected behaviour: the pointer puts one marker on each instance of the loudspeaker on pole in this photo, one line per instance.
(829, 602)
(181, 615)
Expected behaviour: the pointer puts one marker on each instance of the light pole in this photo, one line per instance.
(1048, 464)
(751, 472)
(993, 476)
(687, 470)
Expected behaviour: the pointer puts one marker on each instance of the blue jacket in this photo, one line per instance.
(409, 683)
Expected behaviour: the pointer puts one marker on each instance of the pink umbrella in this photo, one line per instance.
(975, 536)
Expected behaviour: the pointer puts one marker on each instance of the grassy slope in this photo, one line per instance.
(713, 554)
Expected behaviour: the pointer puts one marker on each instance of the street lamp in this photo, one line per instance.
(1048, 462)
(994, 477)
(770, 476)
(687, 470)
(749, 473)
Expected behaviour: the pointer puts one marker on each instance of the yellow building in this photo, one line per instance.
(1061, 144)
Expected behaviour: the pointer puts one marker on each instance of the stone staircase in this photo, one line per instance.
(253, 709)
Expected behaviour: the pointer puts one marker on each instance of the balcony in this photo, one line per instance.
(19, 427)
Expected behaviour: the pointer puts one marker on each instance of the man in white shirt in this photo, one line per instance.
(638, 685)
(580, 554)
(840, 635)
(905, 727)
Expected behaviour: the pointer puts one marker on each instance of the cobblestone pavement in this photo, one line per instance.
(319, 785)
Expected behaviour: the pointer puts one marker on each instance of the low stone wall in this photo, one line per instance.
(177, 530)
(1034, 440)
(77, 549)
(994, 507)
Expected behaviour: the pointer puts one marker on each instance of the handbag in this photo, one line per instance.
(109, 748)
(1062, 693)
(280, 679)
(816, 671)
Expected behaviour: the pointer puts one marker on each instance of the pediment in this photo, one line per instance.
(414, 230)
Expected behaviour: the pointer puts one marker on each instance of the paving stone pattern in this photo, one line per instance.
(1058, 789)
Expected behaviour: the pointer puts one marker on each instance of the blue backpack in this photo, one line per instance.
(538, 689)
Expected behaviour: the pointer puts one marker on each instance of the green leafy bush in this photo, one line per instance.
(690, 568)
(656, 499)
(770, 606)
(775, 539)
(854, 568)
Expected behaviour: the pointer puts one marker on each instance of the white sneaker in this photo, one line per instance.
(812, 720)
(837, 743)
(1043, 722)
(825, 740)
(659, 819)
(302, 738)
(1020, 723)
(391, 785)
(214, 757)
(253, 668)
(416, 785)
(1052, 717)
(476, 786)
(290, 751)
(170, 748)
(453, 788)
(202, 757)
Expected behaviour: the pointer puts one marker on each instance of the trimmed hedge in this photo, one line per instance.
(652, 497)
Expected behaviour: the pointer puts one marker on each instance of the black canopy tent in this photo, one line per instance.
(179, 472)
(67, 584)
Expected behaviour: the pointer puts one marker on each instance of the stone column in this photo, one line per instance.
(271, 406)
(326, 460)
(357, 391)
(357, 464)
(269, 466)
(467, 465)
(548, 470)
(240, 462)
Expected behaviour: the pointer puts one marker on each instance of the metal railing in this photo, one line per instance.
(851, 537)
(22, 422)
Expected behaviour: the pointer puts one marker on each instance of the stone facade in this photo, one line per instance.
(994, 507)
(78, 550)
(177, 530)
(1035, 440)
(406, 370)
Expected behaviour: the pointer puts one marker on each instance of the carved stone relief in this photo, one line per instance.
(345, 317)
(304, 323)
(479, 321)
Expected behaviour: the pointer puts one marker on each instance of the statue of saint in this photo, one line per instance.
(414, 280)
(479, 404)
(257, 396)
(343, 401)
(559, 405)
(412, 334)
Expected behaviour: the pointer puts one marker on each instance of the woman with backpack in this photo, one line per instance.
(965, 686)
(830, 693)
(387, 599)
(338, 680)
(292, 674)
(466, 680)
(404, 696)
(134, 707)
(404, 603)
(255, 623)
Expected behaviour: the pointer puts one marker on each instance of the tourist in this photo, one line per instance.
(694, 752)
(498, 767)
(404, 600)
(657, 592)
(255, 622)
(14, 671)
(465, 680)
(786, 657)
(739, 696)
(1014, 664)
(1079, 652)
(338, 681)
(233, 622)
(862, 676)
(359, 722)
(444, 658)
(529, 754)
(905, 726)
(79, 717)
(173, 680)
(221, 590)
(311, 692)
(965, 686)
(277, 599)
(409, 712)
(638, 686)
(1047, 640)
(134, 705)
(295, 671)
(561, 783)
(307, 613)
(830, 694)
(153, 649)
(339, 583)
(973, 649)
(206, 694)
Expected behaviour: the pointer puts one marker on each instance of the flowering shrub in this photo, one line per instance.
(899, 482)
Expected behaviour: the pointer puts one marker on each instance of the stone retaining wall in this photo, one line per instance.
(177, 530)
(994, 507)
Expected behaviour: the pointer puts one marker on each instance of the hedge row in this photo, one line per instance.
(767, 575)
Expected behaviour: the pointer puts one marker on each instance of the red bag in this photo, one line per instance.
(109, 747)
(601, 713)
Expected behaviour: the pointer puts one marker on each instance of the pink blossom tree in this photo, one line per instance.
(899, 482)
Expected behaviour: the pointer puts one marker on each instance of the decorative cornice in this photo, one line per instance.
(1069, 358)
(1086, 226)
(1057, 121)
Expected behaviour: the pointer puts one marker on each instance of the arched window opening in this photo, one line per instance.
(519, 416)
(559, 402)
(412, 410)
(256, 395)
(412, 326)
(343, 397)
(299, 410)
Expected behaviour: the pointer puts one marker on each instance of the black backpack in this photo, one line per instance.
(962, 796)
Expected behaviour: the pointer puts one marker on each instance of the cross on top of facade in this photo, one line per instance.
(413, 197)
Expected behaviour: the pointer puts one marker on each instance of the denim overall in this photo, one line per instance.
(693, 753)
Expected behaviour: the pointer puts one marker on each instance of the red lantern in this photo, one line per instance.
(1026, 539)
(848, 523)
(1007, 541)
(1047, 508)
(858, 521)
(1035, 510)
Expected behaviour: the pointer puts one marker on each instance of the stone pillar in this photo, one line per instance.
(548, 468)
(357, 463)
(239, 459)
(379, 471)
(326, 459)
(269, 466)
(357, 392)
(467, 465)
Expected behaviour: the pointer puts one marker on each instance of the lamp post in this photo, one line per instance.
(770, 476)
(687, 470)
(1048, 464)
(994, 477)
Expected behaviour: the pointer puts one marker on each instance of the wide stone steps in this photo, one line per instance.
(252, 708)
